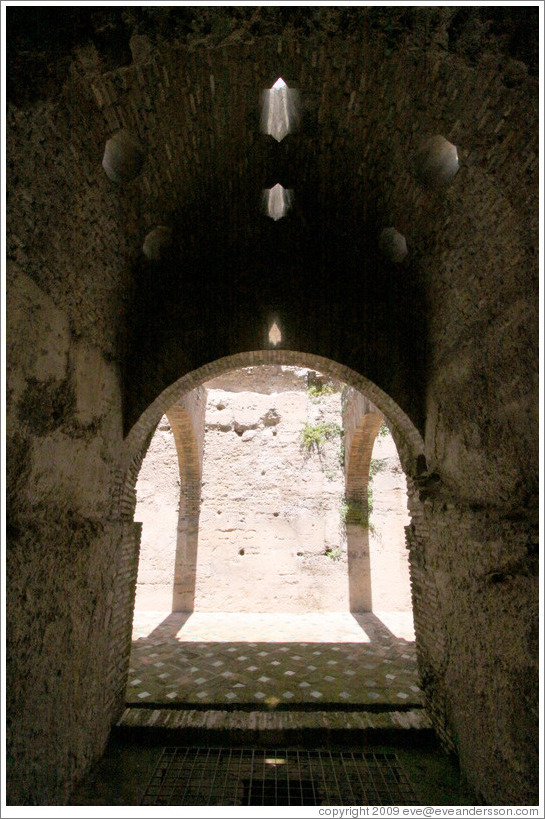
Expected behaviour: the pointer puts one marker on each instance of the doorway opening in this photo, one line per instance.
(273, 568)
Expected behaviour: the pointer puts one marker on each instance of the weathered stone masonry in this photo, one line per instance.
(102, 341)
(272, 534)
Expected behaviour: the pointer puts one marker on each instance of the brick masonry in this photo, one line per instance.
(101, 342)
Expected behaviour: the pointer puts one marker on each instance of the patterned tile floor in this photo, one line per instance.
(273, 661)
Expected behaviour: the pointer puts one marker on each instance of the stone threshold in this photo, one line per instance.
(281, 707)
(165, 720)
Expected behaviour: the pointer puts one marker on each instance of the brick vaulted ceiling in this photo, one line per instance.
(371, 86)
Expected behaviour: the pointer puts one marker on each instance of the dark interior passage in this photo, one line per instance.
(128, 774)
(401, 256)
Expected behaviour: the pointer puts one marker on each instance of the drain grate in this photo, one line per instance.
(243, 776)
(279, 792)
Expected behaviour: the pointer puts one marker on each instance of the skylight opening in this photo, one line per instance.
(277, 201)
(123, 157)
(393, 245)
(280, 114)
(275, 336)
(437, 161)
(157, 243)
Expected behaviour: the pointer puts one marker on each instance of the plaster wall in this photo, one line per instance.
(271, 531)
(270, 508)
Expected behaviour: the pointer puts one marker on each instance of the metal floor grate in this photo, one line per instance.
(242, 776)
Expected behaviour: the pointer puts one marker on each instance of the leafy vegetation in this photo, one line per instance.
(316, 391)
(314, 436)
(369, 500)
(377, 465)
(353, 513)
(334, 554)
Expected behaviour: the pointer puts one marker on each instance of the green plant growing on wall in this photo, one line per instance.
(353, 513)
(370, 526)
(317, 391)
(377, 465)
(333, 554)
(369, 499)
(314, 436)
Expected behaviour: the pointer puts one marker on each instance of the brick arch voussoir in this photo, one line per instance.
(188, 456)
(359, 457)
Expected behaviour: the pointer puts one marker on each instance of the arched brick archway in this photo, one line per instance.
(359, 456)
(407, 439)
(451, 334)
(359, 440)
(190, 468)
(188, 456)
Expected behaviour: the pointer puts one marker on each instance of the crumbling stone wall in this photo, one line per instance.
(492, 598)
(480, 492)
(64, 433)
(271, 535)
(272, 528)
(450, 336)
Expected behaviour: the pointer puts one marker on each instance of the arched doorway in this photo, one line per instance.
(301, 500)
(408, 441)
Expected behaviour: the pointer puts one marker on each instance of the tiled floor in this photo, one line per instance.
(274, 661)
